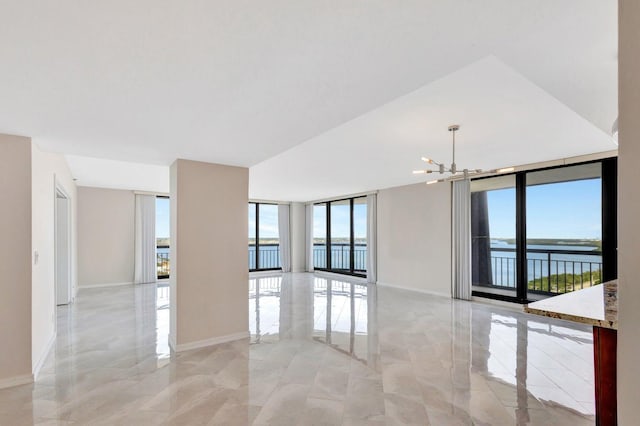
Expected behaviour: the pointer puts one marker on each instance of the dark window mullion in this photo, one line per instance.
(521, 236)
(257, 236)
(351, 238)
(328, 236)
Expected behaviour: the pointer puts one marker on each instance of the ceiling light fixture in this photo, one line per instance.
(453, 169)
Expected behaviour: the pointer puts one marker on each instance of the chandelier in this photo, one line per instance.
(453, 170)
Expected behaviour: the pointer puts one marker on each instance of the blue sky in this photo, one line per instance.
(162, 218)
(340, 221)
(269, 221)
(559, 210)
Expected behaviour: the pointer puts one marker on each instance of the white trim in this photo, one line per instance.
(44, 356)
(417, 290)
(341, 277)
(207, 342)
(157, 194)
(259, 274)
(27, 379)
(502, 303)
(106, 285)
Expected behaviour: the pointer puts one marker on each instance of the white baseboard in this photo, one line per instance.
(43, 356)
(104, 285)
(207, 342)
(417, 290)
(16, 381)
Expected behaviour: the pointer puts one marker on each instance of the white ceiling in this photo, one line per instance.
(242, 82)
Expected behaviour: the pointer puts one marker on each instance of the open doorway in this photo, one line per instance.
(62, 248)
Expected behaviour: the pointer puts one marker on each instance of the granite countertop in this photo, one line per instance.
(597, 305)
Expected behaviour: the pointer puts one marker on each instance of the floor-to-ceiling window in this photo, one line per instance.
(264, 237)
(493, 235)
(162, 237)
(340, 236)
(545, 232)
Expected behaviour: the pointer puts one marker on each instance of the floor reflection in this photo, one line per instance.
(320, 349)
(329, 311)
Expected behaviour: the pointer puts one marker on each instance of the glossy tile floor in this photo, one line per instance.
(322, 352)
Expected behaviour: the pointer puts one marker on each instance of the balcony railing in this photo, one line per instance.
(269, 256)
(548, 271)
(162, 262)
(340, 256)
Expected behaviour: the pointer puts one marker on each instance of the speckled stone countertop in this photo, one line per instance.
(597, 305)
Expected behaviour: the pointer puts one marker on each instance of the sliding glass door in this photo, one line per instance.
(340, 236)
(541, 233)
(564, 229)
(264, 237)
(493, 235)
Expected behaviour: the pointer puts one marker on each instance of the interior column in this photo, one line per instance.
(209, 270)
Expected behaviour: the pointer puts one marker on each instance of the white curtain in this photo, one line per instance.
(372, 224)
(145, 239)
(461, 239)
(285, 237)
(309, 236)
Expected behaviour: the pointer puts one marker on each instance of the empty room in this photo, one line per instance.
(319, 213)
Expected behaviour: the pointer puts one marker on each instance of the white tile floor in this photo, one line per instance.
(322, 352)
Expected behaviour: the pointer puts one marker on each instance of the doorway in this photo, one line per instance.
(62, 248)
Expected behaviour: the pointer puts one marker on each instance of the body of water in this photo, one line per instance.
(503, 261)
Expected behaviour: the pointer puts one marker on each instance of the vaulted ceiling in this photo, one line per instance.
(318, 98)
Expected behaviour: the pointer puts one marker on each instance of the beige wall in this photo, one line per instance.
(15, 260)
(414, 237)
(629, 212)
(298, 237)
(105, 236)
(47, 171)
(209, 279)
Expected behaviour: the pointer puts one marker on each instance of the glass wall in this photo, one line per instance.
(320, 236)
(564, 229)
(545, 232)
(163, 224)
(340, 236)
(264, 238)
(493, 235)
(360, 235)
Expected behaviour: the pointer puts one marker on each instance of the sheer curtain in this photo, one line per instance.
(461, 239)
(309, 236)
(145, 239)
(372, 263)
(285, 237)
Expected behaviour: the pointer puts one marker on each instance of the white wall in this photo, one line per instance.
(414, 237)
(209, 277)
(298, 237)
(15, 260)
(46, 169)
(105, 236)
(629, 213)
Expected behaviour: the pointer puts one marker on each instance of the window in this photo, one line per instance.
(564, 229)
(162, 237)
(264, 237)
(493, 235)
(545, 232)
(340, 236)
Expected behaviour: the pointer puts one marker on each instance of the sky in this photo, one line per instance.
(340, 226)
(570, 210)
(162, 218)
(269, 220)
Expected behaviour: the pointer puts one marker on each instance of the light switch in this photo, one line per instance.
(36, 257)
